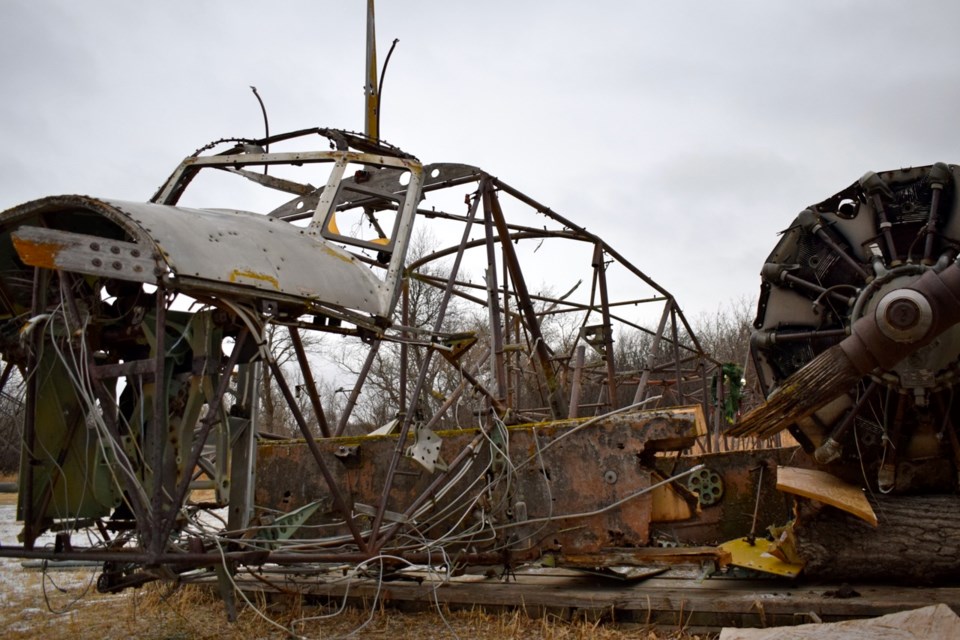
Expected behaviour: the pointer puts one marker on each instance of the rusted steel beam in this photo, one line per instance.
(608, 355)
(649, 555)
(246, 558)
(494, 315)
(676, 354)
(554, 392)
(579, 231)
(308, 381)
(566, 471)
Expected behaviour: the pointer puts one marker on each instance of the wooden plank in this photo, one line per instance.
(667, 601)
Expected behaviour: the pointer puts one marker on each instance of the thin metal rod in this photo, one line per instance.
(554, 392)
(654, 353)
(30, 412)
(454, 396)
(372, 101)
(422, 377)
(157, 436)
(575, 384)
(308, 381)
(493, 305)
(214, 409)
(335, 494)
(608, 355)
(439, 481)
(357, 387)
(579, 231)
(404, 347)
(676, 354)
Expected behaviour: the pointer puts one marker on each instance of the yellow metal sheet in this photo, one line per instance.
(757, 556)
(828, 489)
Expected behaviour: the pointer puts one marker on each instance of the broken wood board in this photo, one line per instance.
(826, 488)
(666, 601)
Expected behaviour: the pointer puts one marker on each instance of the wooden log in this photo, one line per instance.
(917, 540)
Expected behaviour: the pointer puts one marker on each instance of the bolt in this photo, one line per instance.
(903, 313)
(610, 476)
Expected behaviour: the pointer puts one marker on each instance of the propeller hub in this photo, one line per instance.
(904, 315)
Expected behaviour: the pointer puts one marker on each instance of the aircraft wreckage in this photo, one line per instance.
(144, 331)
(135, 405)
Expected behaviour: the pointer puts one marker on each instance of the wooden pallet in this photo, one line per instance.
(676, 598)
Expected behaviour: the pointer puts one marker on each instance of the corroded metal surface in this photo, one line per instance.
(746, 492)
(558, 470)
(157, 404)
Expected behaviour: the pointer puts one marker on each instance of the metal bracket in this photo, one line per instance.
(426, 450)
(283, 527)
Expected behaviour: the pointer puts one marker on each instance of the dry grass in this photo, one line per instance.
(154, 612)
(64, 605)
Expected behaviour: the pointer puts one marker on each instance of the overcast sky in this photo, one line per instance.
(685, 133)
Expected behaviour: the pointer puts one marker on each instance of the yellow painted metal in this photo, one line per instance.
(372, 105)
(757, 557)
(826, 488)
(668, 505)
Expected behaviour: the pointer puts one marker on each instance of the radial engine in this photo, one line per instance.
(873, 269)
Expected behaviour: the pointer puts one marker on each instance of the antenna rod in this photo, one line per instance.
(372, 120)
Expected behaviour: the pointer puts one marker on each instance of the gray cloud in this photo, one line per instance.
(687, 133)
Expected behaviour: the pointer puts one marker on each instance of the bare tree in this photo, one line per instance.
(275, 415)
(11, 423)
